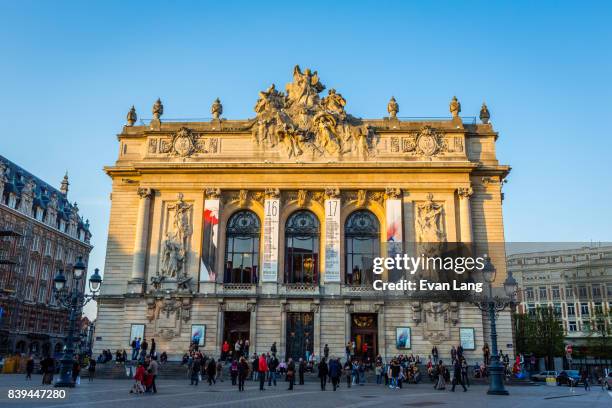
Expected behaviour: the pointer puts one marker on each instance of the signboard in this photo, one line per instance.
(466, 338)
(270, 237)
(198, 334)
(209, 244)
(402, 338)
(332, 240)
(394, 226)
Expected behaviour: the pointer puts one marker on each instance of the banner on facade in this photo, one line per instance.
(270, 253)
(332, 240)
(209, 245)
(394, 227)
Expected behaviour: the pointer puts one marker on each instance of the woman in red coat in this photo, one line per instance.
(262, 370)
(139, 378)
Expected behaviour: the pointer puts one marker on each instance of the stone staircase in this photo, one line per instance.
(112, 370)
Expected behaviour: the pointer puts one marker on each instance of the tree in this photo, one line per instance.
(540, 333)
(599, 332)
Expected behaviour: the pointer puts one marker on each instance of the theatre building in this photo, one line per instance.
(266, 228)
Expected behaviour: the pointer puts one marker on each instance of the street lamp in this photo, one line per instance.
(74, 300)
(493, 305)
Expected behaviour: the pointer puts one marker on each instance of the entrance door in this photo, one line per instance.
(364, 332)
(300, 335)
(236, 326)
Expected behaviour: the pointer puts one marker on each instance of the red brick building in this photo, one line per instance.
(40, 233)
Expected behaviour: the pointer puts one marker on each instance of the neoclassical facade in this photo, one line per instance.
(267, 228)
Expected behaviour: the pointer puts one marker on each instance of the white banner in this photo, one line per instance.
(332, 240)
(270, 238)
(394, 227)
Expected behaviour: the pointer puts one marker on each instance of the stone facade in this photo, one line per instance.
(40, 232)
(576, 283)
(178, 188)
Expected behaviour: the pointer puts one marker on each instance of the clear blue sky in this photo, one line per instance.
(69, 71)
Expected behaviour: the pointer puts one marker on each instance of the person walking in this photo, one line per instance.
(323, 371)
(196, 367)
(134, 350)
(326, 351)
(464, 372)
(219, 371)
(76, 369)
(91, 369)
(154, 371)
(29, 368)
(246, 347)
(272, 366)
(211, 371)
(243, 371)
(291, 374)
(457, 377)
(434, 354)
(255, 367)
(153, 349)
(262, 368)
(348, 368)
(234, 371)
(48, 368)
(335, 371)
(273, 349)
(301, 370)
(584, 377)
(440, 372)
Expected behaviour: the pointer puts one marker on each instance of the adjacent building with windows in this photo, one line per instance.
(575, 283)
(40, 232)
(266, 228)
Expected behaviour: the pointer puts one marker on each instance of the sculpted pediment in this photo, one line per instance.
(300, 121)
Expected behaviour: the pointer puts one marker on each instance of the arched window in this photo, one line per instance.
(242, 248)
(302, 248)
(361, 246)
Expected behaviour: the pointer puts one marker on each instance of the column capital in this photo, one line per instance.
(213, 193)
(392, 193)
(332, 192)
(465, 192)
(145, 192)
(272, 193)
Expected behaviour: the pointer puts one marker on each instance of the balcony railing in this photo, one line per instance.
(239, 288)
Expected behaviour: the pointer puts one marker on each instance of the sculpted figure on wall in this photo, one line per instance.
(175, 246)
(27, 197)
(301, 122)
(181, 221)
(429, 220)
(430, 233)
(173, 255)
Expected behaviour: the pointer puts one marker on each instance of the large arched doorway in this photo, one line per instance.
(364, 333)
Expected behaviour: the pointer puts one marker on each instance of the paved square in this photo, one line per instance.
(178, 393)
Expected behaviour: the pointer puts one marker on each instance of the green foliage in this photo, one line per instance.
(541, 334)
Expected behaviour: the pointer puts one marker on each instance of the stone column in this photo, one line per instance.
(282, 348)
(252, 307)
(220, 322)
(316, 347)
(382, 344)
(141, 238)
(347, 321)
(465, 216)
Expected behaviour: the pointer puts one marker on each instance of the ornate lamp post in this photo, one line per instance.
(493, 305)
(74, 300)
